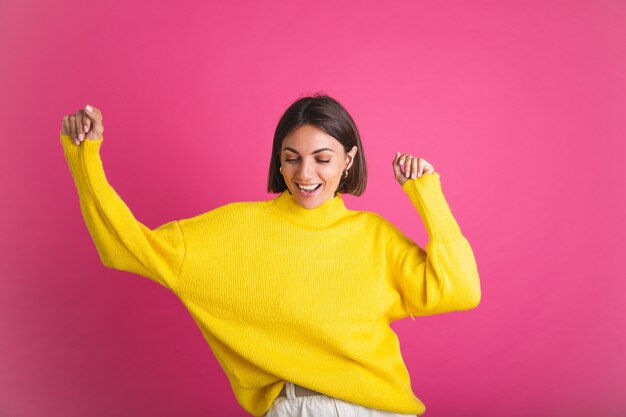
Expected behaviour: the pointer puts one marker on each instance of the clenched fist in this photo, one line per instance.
(86, 123)
(407, 166)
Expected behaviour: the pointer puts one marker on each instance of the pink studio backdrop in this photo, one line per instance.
(518, 105)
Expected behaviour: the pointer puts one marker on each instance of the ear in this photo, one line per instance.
(350, 156)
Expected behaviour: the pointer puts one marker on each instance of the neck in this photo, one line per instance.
(287, 207)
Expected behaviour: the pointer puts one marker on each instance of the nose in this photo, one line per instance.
(306, 170)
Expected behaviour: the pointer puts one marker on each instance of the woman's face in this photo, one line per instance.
(311, 157)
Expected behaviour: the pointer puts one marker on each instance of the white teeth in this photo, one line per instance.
(307, 187)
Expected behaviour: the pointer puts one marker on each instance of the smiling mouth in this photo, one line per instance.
(308, 190)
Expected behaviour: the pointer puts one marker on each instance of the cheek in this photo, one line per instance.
(331, 173)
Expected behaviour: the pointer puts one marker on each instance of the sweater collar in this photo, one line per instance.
(287, 207)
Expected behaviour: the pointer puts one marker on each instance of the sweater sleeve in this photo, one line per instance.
(443, 277)
(123, 243)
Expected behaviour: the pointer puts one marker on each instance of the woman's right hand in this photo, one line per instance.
(85, 124)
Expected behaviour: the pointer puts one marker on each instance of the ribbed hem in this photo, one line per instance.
(86, 167)
(427, 196)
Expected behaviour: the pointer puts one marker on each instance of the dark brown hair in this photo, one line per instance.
(327, 114)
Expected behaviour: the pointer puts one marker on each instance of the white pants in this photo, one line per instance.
(321, 406)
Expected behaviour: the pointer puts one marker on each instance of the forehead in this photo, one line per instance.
(308, 138)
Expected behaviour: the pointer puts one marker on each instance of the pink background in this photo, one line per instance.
(519, 106)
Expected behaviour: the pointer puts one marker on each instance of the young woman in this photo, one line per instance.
(294, 295)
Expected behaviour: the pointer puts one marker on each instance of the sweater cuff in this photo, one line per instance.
(427, 196)
(86, 167)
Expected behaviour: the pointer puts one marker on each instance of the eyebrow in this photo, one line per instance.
(316, 151)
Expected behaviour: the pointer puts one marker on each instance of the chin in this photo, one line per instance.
(311, 202)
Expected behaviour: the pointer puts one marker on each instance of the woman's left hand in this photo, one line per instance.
(407, 166)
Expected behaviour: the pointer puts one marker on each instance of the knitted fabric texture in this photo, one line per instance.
(283, 293)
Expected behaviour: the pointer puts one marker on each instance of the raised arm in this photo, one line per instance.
(441, 278)
(122, 242)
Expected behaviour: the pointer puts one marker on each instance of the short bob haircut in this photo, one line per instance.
(328, 115)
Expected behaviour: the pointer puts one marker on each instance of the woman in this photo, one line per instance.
(294, 295)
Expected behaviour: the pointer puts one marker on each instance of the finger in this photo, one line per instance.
(408, 170)
(426, 167)
(65, 125)
(80, 135)
(414, 167)
(73, 128)
(95, 117)
(81, 125)
(93, 113)
(394, 163)
(406, 163)
(397, 172)
(401, 161)
(86, 123)
(420, 166)
(408, 166)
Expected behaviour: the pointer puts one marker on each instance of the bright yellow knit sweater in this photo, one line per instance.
(283, 293)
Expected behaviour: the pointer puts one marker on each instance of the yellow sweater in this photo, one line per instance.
(283, 293)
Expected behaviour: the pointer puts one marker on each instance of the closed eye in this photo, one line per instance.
(295, 160)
